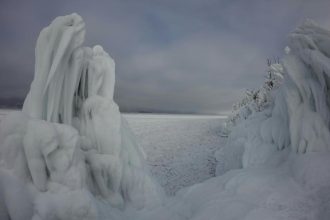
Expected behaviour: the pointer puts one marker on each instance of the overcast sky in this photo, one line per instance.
(171, 55)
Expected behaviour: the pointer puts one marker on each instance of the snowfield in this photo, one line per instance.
(180, 148)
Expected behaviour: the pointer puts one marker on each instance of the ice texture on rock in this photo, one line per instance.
(70, 143)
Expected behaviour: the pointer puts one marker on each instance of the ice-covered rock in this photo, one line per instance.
(70, 144)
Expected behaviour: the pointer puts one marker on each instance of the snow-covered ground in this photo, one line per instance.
(4, 112)
(179, 148)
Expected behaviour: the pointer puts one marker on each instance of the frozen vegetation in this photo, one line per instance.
(70, 154)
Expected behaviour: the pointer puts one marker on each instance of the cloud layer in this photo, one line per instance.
(177, 56)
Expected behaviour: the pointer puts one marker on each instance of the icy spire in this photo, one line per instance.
(57, 69)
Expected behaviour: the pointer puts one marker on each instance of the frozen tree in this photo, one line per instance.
(256, 100)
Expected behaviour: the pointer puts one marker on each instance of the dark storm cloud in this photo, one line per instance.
(193, 56)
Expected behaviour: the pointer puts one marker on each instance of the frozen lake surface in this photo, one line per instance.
(179, 148)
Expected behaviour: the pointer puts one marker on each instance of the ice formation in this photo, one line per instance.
(69, 148)
(297, 115)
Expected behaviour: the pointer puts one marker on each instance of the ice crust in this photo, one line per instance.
(70, 145)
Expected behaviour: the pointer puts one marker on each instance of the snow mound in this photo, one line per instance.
(70, 152)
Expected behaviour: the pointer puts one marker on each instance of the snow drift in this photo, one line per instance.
(69, 152)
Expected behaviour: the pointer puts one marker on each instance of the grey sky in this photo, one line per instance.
(171, 55)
